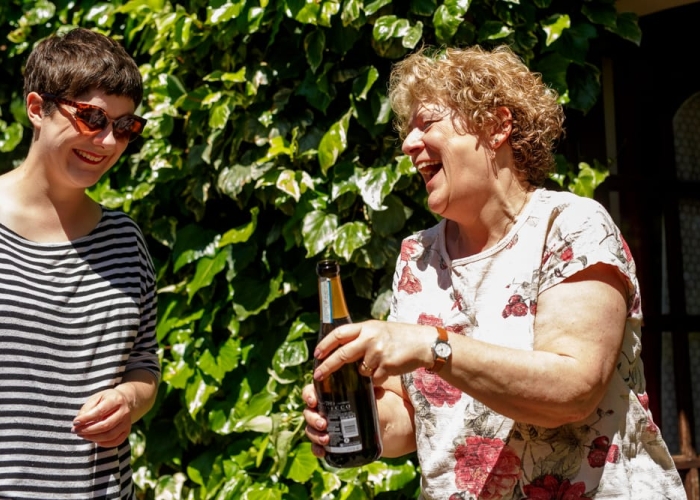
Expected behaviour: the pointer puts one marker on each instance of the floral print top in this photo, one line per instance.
(468, 451)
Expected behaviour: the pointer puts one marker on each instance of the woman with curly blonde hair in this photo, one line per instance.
(510, 360)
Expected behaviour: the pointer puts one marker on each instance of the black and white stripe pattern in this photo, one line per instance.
(74, 317)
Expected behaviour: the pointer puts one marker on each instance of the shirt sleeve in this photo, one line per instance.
(144, 354)
(581, 234)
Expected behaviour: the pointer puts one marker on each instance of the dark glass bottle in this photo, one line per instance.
(346, 398)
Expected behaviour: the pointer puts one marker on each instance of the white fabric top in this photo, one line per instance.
(468, 451)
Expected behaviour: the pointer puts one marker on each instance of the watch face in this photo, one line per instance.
(443, 349)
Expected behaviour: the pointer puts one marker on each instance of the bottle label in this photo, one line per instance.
(342, 428)
(326, 300)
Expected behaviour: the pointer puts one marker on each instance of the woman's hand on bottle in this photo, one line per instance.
(315, 424)
(381, 348)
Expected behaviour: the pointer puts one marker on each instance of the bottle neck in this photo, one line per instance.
(332, 300)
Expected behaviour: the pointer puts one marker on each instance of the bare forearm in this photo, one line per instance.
(140, 388)
(395, 420)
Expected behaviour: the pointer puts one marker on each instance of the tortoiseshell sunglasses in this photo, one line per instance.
(92, 119)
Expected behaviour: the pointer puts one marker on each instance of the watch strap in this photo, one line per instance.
(439, 361)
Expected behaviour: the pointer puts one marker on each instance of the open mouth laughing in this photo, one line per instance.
(428, 169)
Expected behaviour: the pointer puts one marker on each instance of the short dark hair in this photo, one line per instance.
(73, 64)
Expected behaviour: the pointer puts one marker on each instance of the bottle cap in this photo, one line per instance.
(327, 268)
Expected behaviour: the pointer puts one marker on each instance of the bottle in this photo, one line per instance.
(345, 398)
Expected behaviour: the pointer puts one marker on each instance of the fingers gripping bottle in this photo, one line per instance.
(346, 398)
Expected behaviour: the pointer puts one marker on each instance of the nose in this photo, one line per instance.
(106, 135)
(413, 141)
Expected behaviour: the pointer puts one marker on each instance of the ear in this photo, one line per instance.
(502, 128)
(34, 109)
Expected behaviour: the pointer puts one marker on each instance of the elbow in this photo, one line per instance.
(578, 405)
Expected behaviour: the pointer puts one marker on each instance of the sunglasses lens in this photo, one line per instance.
(92, 119)
(127, 127)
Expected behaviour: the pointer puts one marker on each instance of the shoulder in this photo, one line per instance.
(115, 220)
(565, 202)
(573, 214)
(415, 245)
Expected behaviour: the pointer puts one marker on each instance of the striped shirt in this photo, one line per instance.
(74, 317)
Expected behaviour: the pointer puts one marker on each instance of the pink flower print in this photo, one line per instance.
(487, 468)
(596, 457)
(613, 454)
(458, 301)
(516, 306)
(512, 242)
(533, 307)
(515, 298)
(644, 400)
(408, 249)
(408, 282)
(507, 311)
(546, 257)
(602, 451)
(601, 443)
(458, 329)
(435, 389)
(520, 309)
(626, 249)
(567, 254)
(549, 487)
(429, 319)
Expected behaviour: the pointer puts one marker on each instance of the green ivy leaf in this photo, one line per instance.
(220, 114)
(224, 13)
(318, 231)
(242, 233)
(290, 354)
(584, 86)
(177, 374)
(373, 7)
(303, 464)
(600, 13)
(388, 27)
(627, 27)
(573, 44)
(333, 143)
(349, 237)
(493, 30)
(423, 7)
(387, 477)
(287, 183)
(10, 136)
(588, 179)
(392, 219)
(314, 45)
(205, 272)
(41, 12)
(554, 26)
(352, 12)
(193, 243)
(375, 184)
(363, 83)
(197, 394)
(447, 19)
(262, 492)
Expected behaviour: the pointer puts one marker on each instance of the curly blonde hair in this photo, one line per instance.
(472, 83)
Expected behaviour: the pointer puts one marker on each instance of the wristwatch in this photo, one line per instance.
(442, 350)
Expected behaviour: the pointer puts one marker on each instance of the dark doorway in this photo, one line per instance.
(656, 185)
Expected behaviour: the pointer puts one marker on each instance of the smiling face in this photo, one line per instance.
(74, 159)
(454, 163)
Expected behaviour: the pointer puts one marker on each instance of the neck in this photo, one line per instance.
(38, 211)
(481, 233)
